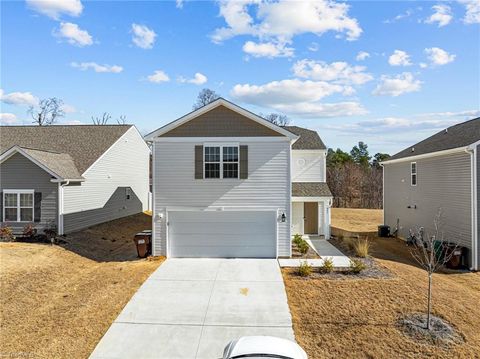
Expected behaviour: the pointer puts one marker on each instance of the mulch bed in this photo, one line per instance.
(311, 254)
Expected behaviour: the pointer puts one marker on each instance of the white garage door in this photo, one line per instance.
(228, 234)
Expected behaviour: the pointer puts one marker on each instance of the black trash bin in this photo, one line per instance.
(383, 231)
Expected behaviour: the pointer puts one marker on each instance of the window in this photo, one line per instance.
(18, 206)
(413, 173)
(128, 192)
(221, 161)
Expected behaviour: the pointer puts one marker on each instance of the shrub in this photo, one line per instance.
(327, 266)
(29, 230)
(356, 266)
(303, 247)
(6, 234)
(362, 247)
(50, 231)
(304, 270)
(297, 239)
(350, 242)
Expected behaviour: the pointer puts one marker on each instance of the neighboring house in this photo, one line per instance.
(71, 177)
(222, 184)
(439, 172)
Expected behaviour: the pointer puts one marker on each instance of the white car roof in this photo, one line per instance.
(277, 347)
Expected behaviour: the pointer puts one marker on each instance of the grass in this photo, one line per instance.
(361, 247)
(58, 301)
(357, 318)
(357, 220)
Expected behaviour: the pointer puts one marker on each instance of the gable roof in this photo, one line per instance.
(67, 150)
(212, 105)
(310, 189)
(309, 139)
(460, 135)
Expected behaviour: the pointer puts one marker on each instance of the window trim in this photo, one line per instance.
(18, 207)
(413, 174)
(221, 146)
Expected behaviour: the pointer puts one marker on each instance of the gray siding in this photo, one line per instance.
(441, 182)
(478, 205)
(116, 207)
(18, 172)
(267, 186)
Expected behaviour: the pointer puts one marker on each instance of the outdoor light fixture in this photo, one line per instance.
(283, 217)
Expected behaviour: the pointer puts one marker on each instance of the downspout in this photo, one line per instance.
(60, 205)
(473, 155)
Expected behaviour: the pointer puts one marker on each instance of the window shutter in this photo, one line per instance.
(243, 162)
(1, 206)
(198, 161)
(37, 210)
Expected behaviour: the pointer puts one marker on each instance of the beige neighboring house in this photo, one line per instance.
(71, 177)
(228, 183)
(441, 171)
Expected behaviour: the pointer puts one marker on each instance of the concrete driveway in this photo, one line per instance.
(191, 308)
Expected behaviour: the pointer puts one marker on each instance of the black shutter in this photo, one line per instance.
(198, 162)
(37, 210)
(1, 206)
(243, 162)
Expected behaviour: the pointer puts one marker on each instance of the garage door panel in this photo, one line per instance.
(222, 234)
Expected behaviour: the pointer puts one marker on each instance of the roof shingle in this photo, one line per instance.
(310, 189)
(309, 139)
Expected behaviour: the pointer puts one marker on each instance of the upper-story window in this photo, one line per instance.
(18, 205)
(221, 161)
(413, 173)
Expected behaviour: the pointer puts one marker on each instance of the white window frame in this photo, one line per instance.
(18, 192)
(413, 174)
(221, 146)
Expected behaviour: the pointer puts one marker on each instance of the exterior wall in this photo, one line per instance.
(308, 165)
(101, 197)
(18, 172)
(267, 187)
(478, 205)
(442, 182)
(323, 218)
(297, 218)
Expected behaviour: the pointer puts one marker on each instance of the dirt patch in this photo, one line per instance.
(358, 318)
(58, 301)
(357, 220)
(311, 254)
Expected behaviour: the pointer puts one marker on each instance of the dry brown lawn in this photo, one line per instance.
(58, 301)
(355, 318)
(357, 219)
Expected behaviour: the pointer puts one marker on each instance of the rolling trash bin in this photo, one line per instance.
(383, 231)
(142, 241)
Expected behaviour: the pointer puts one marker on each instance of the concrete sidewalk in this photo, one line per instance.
(191, 308)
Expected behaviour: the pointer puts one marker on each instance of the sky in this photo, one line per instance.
(388, 73)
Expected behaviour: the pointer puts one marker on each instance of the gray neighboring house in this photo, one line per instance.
(438, 172)
(71, 177)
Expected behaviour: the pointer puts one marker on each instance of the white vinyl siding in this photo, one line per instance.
(308, 166)
(267, 186)
(413, 173)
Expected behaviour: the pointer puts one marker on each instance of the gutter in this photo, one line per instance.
(472, 151)
(60, 205)
(426, 155)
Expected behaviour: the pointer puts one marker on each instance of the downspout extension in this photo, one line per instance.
(472, 151)
(60, 205)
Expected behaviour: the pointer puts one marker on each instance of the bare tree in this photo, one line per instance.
(205, 97)
(103, 120)
(47, 111)
(277, 119)
(431, 253)
(122, 120)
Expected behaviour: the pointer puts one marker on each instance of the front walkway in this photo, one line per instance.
(191, 308)
(325, 250)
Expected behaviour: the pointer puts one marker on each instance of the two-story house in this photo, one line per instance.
(222, 185)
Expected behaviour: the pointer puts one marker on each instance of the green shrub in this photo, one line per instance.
(327, 266)
(297, 239)
(361, 247)
(304, 270)
(303, 247)
(356, 266)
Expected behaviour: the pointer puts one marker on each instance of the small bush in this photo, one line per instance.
(304, 270)
(297, 239)
(303, 247)
(327, 266)
(6, 234)
(29, 230)
(350, 242)
(362, 247)
(356, 266)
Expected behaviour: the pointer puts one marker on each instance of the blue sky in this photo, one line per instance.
(388, 73)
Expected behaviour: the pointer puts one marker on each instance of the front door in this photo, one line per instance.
(310, 216)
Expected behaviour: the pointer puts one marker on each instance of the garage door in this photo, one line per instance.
(225, 234)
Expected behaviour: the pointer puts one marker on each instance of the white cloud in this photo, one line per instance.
(267, 49)
(280, 21)
(442, 15)
(97, 67)
(397, 85)
(8, 118)
(56, 8)
(406, 14)
(362, 55)
(472, 14)
(438, 56)
(297, 97)
(158, 77)
(198, 79)
(340, 72)
(423, 65)
(73, 34)
(143, 37)
(179, 4)
(313, 47)
(19, 98)
(399, 58)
